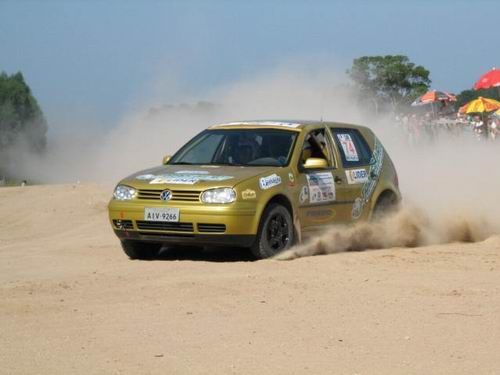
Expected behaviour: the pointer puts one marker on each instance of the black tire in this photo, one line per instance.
(387, 204)
(276, 232)
(140, 250)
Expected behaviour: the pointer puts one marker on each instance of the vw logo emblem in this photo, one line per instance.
(166, 195)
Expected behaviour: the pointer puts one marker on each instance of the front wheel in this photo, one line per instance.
(140, 250)
(275, 233)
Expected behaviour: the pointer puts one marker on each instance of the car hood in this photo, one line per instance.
(188, 177)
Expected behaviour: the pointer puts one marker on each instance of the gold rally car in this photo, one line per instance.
(265, 185)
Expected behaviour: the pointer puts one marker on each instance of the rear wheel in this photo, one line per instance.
(387, 204)
(276, 232)
(140, 250)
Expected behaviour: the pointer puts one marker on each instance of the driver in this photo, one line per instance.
(247, 149)
(314, 147)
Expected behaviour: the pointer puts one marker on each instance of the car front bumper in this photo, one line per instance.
(199, 224)
(188, 239)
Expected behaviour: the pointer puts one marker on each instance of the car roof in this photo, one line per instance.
(297, 125)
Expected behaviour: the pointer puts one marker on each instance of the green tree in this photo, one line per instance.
(388, 82)
(21, 118)
(22, 123)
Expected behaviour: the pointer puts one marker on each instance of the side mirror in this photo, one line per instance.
(166, 159)
(315, 163)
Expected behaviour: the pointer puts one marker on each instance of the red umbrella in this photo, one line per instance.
(488, 80)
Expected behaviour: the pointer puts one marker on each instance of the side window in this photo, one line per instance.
(352, 147)
(316, 145)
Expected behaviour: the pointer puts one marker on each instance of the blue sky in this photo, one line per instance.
(96, 59)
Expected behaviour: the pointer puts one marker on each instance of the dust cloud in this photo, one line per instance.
(157, 129)
(408, 227)
(449, 185)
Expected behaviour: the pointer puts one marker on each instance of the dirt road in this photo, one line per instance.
(72, 303)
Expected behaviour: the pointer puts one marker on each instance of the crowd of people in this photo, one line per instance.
(429, 127)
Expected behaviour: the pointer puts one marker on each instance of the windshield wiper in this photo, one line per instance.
(188, 163)
(230, 164)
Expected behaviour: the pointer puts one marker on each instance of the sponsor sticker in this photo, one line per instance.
(376, 164)
(319, 213)
(357, 208)
(192, 172)
(350, 152)
(356, 176)
(181, 179)
(248, 194)
(321, 187)
(145, 177)
(268, 123)
(304, 195)
(269, 181)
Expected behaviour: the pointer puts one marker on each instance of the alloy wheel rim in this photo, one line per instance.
(278, 234)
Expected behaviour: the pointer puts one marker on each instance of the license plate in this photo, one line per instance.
(161, 214)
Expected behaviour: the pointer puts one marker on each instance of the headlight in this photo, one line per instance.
(124, 193)
(224, 195)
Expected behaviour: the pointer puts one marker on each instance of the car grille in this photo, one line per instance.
(211, 228)
(158, 225)
(123, 224)
(177, 195)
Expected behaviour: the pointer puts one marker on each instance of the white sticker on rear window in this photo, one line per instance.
(321, 187)
(350, 152)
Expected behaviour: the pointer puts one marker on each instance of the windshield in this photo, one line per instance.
(257, 147)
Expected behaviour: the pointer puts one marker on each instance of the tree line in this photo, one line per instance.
(22, 123)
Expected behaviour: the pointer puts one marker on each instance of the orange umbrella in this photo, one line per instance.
(480, 105)
(433, 97)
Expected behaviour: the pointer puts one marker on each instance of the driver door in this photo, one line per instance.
(317, 195)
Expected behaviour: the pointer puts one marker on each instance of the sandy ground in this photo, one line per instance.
(72, 303)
